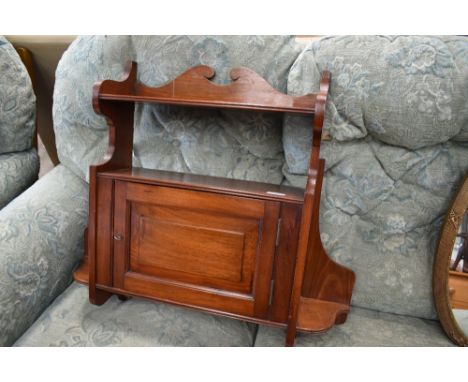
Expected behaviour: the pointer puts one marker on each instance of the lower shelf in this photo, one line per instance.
(318, 315)
(315, 316)
(81, 274)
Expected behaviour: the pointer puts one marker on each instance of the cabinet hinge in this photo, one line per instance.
(272, 287)
(278, 231)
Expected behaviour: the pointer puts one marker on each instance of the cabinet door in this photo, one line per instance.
(194, 248)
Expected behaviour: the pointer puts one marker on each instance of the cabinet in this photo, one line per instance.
(242, 249)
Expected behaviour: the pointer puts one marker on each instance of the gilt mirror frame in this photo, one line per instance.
(440, 277)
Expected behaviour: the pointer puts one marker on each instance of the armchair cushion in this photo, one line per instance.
(398, 115)
(366, 328)
(210, 142)
(41, 240)
(17, 172)
(17, 102)
(72, 321)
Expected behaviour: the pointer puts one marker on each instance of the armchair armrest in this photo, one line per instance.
(17, 172)
(41, 241)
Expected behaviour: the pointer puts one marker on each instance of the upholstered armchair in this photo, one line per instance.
(398, 117)
(41, 233)
(19, 163)
(399, 145)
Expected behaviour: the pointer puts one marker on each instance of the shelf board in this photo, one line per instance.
(246, 91)
(315, 316)
(293, 109)
(81, 274)
(318, 315)
(228, 186)
(458, 274)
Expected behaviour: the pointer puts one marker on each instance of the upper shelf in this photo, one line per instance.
(215, 184)
(247, 91)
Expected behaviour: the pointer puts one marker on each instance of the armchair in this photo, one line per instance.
(397, 115)
(54, 211)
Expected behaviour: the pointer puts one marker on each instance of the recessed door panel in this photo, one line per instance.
(188, 245)
(195, 247)
(187, 248)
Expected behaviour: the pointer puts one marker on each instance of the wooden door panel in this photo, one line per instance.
(201, 246)
(187, 248)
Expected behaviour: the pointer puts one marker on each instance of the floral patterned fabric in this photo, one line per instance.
(17, 102)
(398, 116)
(73, 321)
(41, 240)
(19, 164)
(366, 328)
(229, 144)
(17, 172)
(398, 151)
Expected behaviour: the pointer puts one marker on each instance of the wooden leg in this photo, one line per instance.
(98, 297)
(290, 335)
(341, 318)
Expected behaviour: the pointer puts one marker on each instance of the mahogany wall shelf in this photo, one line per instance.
(242, 249)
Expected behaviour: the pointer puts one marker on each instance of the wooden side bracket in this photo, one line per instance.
(322, 289)
(118, 155)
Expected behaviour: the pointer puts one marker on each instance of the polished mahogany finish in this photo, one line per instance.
(242, 249)
(248, 91)
(209, 183)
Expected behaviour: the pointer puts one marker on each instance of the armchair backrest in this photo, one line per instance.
(17, 102)
(398, 115)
